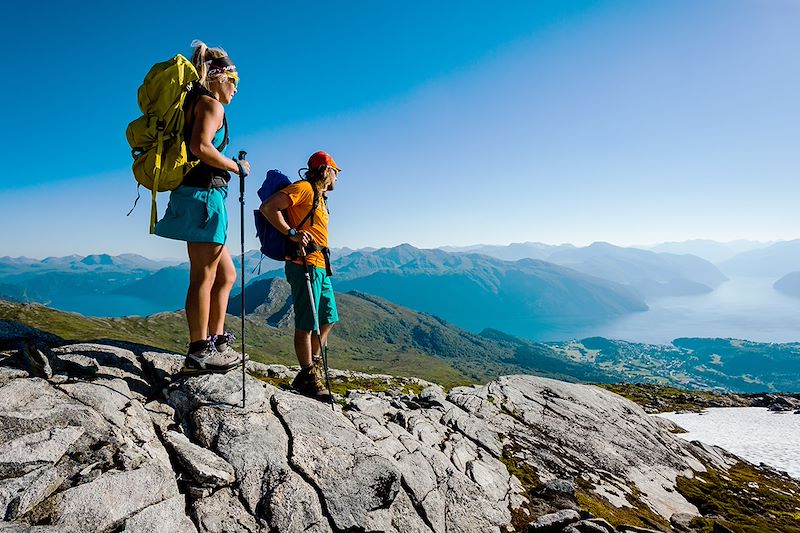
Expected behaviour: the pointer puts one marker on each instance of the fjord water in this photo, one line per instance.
(753, 433)
(741, 308)
(105, 305)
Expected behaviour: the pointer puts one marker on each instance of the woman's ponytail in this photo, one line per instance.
(202, 53)
(199, 60)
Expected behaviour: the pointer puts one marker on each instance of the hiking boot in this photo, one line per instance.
(224, 344)
(223, 341)
(207, 360)
(318, 368)
(308, 383)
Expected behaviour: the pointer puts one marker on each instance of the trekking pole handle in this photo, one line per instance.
(242, 156)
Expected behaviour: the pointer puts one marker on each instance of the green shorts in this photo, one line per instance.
(323, 296)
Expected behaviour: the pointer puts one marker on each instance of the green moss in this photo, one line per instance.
(395, 385)
(668, 398)
(527, 476)
(748, 499)
(342, 385)
(525, 473)
(281, 383)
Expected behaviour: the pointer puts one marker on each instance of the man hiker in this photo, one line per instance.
(300, 212)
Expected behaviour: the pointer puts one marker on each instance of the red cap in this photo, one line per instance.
(319, 159)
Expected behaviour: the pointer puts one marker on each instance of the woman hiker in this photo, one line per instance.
(197, 214)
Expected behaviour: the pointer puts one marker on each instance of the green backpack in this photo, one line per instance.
(157, 145)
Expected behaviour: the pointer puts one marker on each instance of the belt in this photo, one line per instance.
(312, 247)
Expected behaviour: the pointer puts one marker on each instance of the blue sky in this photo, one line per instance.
(456, 123)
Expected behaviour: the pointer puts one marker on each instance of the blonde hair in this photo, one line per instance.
(203, 53)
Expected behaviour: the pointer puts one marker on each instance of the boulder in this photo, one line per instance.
(108, 500)
(553, 522)
(566, 426)
(225, 390)
(205, 467)
(325, 449)
(20, 455)
(682, 521)
(222, 511)
(18, 495)
(161, 367)
(168, 516)
(8, 374)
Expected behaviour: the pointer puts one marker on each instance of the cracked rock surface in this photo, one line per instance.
(113, 440)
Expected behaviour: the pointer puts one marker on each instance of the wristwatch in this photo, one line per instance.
(291, 233)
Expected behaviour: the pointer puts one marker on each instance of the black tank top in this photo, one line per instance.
(203, 175)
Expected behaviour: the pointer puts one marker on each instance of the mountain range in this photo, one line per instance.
(648, 273)
(471, 290)
(734, 258)
(475, 291)
(712, 251)
(773, 261)
(555, 286)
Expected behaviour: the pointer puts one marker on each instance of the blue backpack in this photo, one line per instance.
(275, 244)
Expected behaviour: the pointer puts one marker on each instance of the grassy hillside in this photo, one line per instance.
(167, 331)
(373, 335)
(378, 336)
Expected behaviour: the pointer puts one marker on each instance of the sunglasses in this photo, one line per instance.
(233, 78)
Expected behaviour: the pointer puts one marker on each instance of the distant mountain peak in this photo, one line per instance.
(98, 259)
(603, 245)
(401, 253)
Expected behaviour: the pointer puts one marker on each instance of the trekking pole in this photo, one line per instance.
(323, 352)
(242, 175)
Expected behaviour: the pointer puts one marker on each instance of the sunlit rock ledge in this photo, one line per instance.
(96, 437)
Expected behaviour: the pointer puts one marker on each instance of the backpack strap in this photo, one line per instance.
(190, 104)
(314, 206)
(156, 176)
(295, 248)
(225, 140)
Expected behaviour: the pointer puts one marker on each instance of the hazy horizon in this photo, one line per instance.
(236, 250)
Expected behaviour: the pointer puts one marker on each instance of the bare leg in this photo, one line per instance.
(324, 329)
(302, 346)
(203, 260)
(221, 290)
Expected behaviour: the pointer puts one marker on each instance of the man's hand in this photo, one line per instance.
(302, 238)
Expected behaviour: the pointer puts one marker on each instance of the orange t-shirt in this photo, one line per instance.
(301, 199)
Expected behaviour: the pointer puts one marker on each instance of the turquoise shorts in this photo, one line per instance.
(195, 214)
(323, 295)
